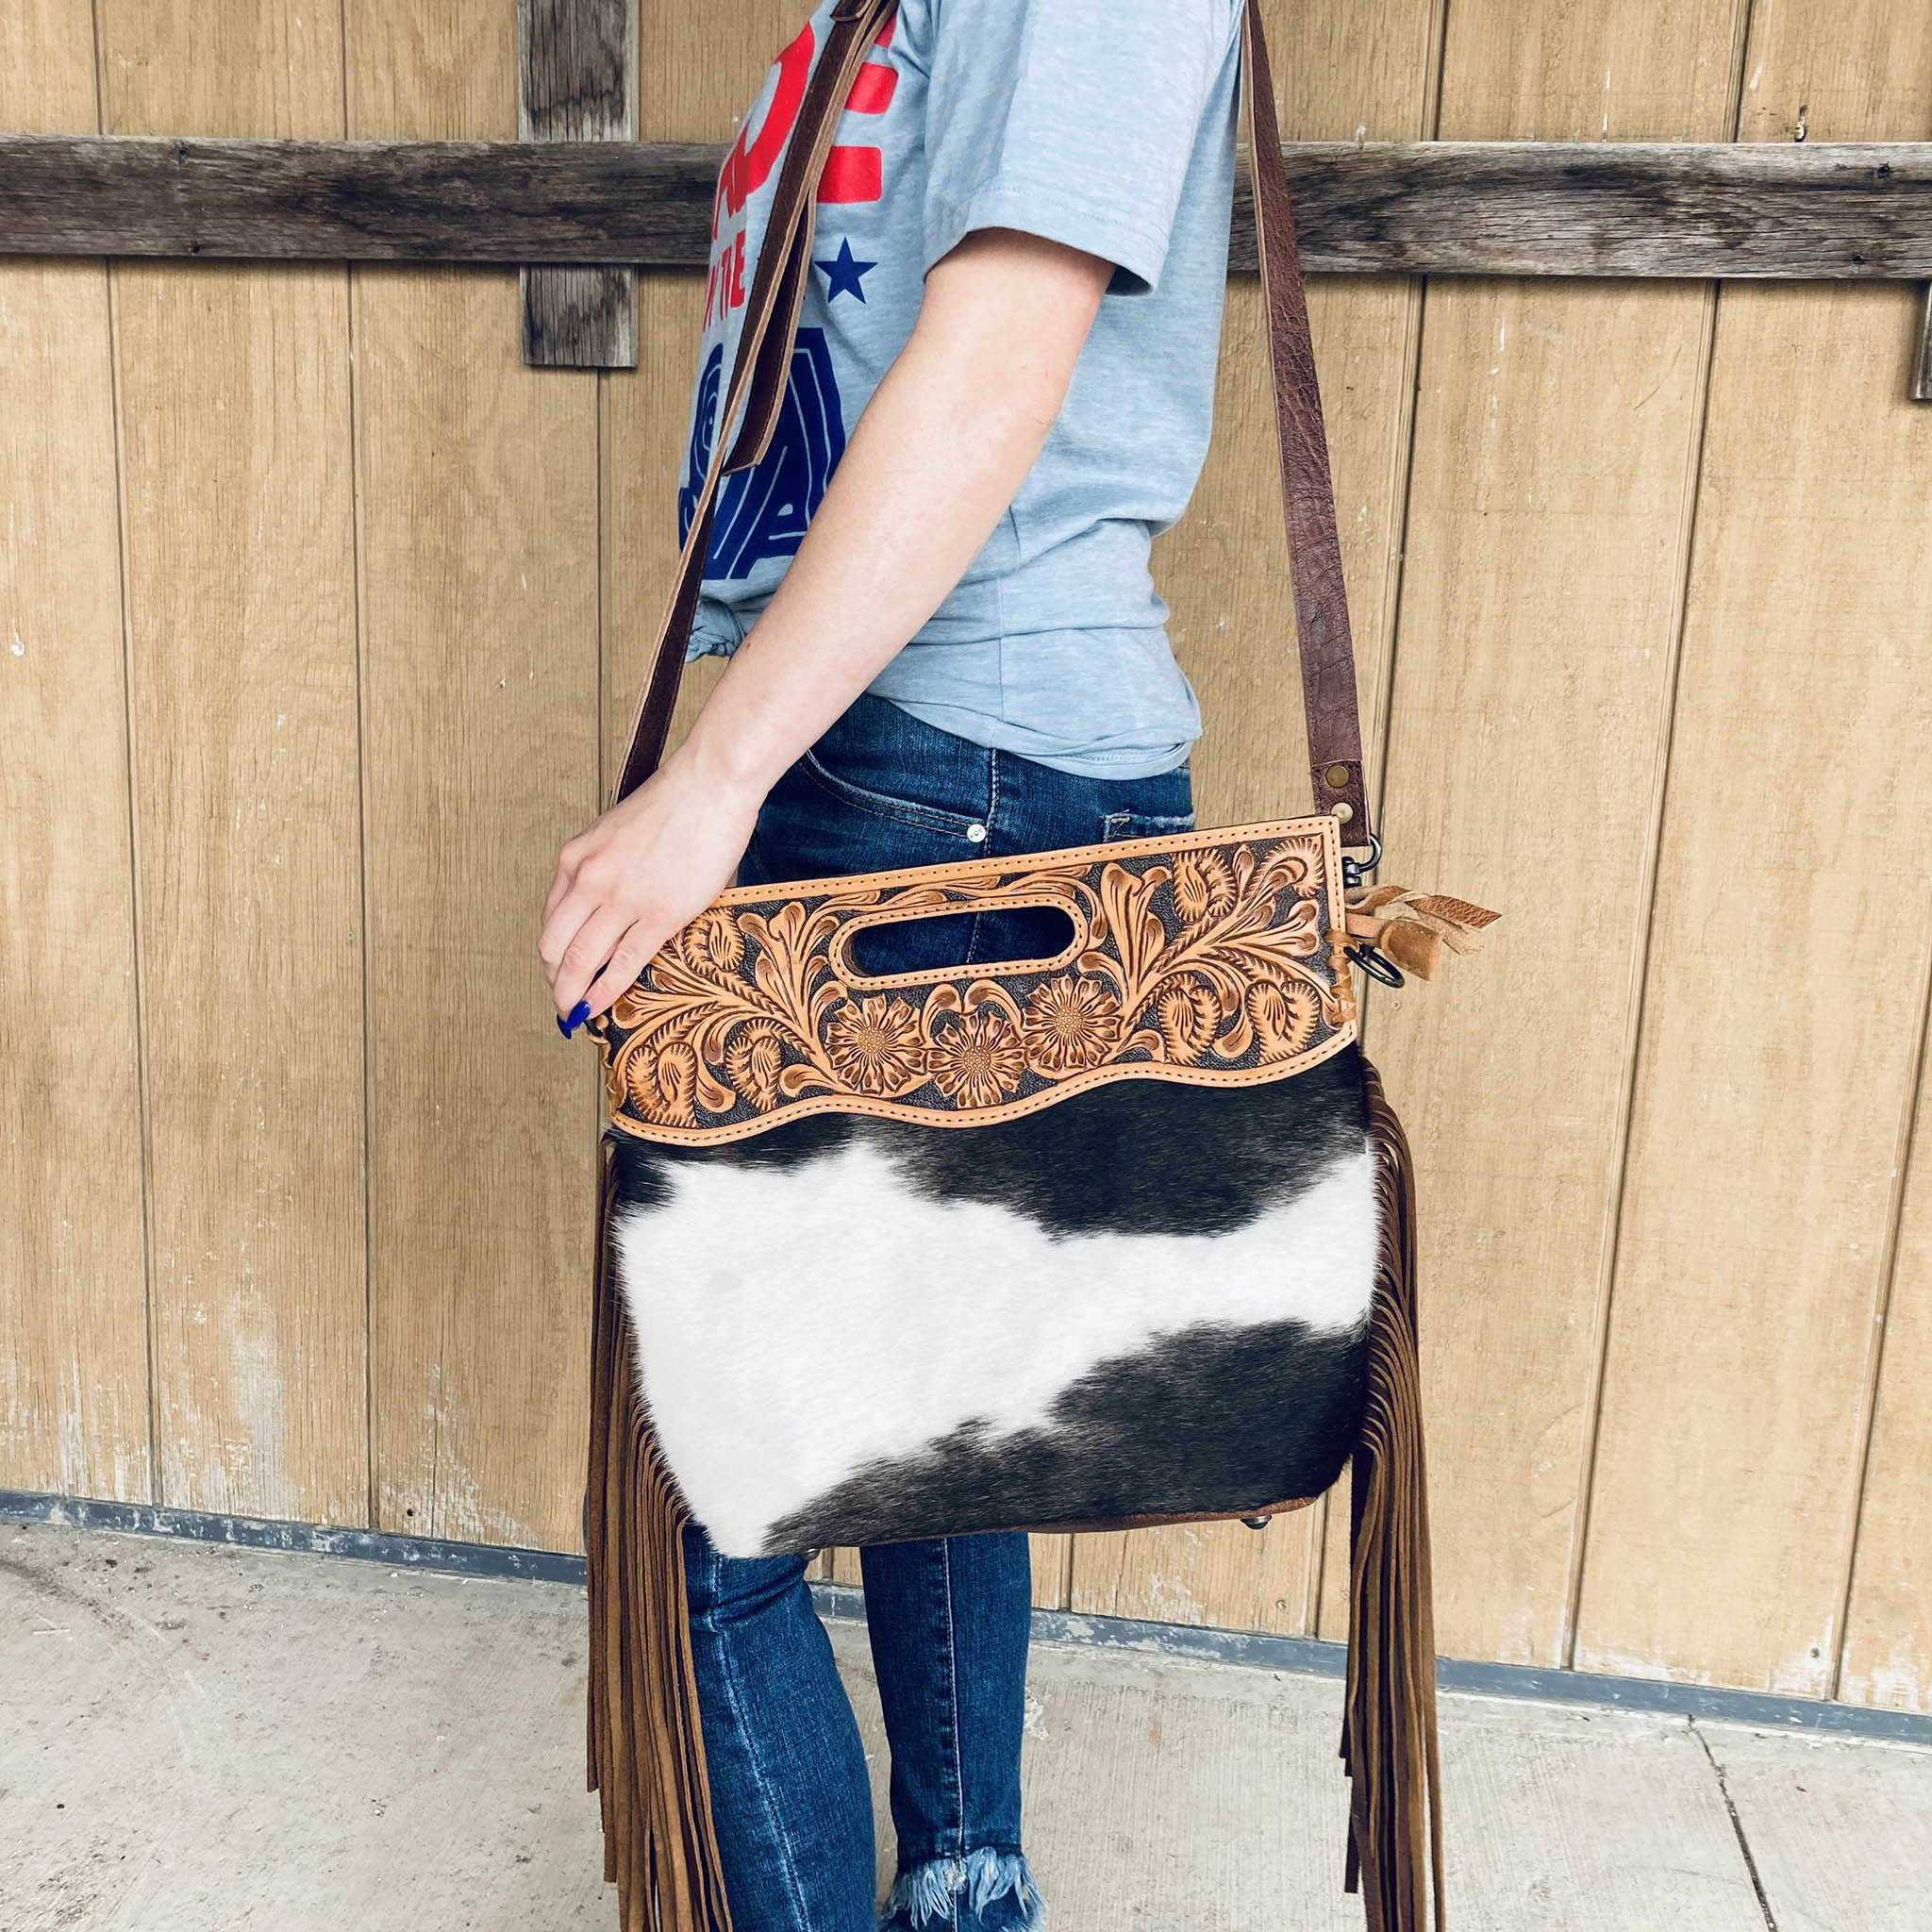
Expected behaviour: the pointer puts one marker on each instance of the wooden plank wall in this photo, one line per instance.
(478, 516)
(1775, 1070)
(323, 615)
(73, 1363)
(1552, 478)
(232, 396)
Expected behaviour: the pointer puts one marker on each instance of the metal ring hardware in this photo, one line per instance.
(1375, 966)
(1355, 872)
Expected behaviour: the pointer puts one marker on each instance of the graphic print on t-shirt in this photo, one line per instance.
(763, 513)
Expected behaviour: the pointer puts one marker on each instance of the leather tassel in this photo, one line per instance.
(645, 1746)
(1415, 928)
(1389, 1724)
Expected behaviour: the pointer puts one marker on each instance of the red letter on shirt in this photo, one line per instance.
(749, 164)
(856, 174)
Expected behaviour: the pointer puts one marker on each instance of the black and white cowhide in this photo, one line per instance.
(1147, 1299)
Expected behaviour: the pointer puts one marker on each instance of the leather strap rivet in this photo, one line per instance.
(1337, 776)
(1344, 811)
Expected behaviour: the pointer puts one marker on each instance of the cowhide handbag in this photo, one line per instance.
(1152, 1174)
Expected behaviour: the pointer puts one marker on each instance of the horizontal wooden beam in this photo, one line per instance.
(1818, 211)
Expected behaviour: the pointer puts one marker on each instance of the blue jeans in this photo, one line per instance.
(948, 1618)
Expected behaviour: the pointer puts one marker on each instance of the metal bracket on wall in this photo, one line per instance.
(575, 82)
(1922, 376)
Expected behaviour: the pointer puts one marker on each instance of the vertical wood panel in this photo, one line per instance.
(1791, 940)
(1219, 1574)
(1364, 71)
(476, 500)
(1556, 434)
(1888, 1652)
(74, 1396)
(235, 434)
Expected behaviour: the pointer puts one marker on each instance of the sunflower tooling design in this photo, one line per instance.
(1205, 959)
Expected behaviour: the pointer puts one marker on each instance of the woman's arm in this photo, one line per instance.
(939, 452)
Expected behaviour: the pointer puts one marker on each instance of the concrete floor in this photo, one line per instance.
(195, 1740)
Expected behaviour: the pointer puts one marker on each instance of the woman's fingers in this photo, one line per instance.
(597, 882)
(560, 883)
(594, 941)
(569, 861)
(587, 922)
(631, 880)
(561, 926)
(632, 953)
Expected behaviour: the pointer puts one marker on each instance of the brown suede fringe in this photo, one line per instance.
(646, 1752)
(645, 1746)
(1388, 1715)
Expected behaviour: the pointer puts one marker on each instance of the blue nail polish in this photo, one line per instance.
(574, 1019)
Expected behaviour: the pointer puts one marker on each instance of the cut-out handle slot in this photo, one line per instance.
(1002, 936)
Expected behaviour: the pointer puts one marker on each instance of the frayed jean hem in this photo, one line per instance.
(985, 1891)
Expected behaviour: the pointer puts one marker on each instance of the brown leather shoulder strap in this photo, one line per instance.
(761, 366)
(1308, 492)
(762, 369)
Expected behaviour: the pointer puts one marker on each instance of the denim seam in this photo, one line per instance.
(1154, 823)
(1006, 1848)
(788, 1861)
(993, 839)
(880, 804)
(953, 1692)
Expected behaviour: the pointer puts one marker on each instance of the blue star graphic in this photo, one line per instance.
(842, 274)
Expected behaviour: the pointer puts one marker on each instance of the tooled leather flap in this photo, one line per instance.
(1211, 958)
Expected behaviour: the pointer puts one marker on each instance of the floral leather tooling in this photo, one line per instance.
(1207, 958)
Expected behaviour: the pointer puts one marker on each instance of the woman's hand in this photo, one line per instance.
(630, 880)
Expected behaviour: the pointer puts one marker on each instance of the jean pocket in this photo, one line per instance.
(1141, 825)
(887, 804)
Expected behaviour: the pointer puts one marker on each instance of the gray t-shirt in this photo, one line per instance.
(1106, 124)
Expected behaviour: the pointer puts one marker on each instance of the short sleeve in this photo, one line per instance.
(1074, 120)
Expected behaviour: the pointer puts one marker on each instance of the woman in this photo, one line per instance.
(945, 644)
